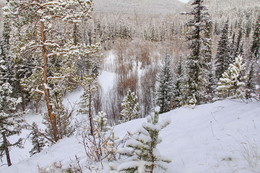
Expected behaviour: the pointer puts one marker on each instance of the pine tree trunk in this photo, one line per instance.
(7, 154)
(22, 96)
(52, 117)
(90, 112)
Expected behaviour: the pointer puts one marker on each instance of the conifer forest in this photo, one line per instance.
(136, 86)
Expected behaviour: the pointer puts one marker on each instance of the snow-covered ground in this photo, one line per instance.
(221, 137)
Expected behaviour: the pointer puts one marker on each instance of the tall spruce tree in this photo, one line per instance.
(165, 90)
(253, 60)
(222, 59)
(238, 45)
(45, 30)
(6, 64)
(199, 60)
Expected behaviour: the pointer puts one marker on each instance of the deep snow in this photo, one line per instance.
(220, 137)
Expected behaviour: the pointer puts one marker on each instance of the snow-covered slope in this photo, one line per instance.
(220, 137)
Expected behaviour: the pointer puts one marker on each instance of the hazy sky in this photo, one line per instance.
(184, 1)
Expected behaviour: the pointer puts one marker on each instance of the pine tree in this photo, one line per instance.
(130, 107)
(232, 82)
(253, 59)
(237, 46)
(10, 123)
(250, 80)
(255, 48)
(111, 147)
(141, 149)
(164, 93)
(199, 60)
(101, 121)
(6, 64)
(179, 86)
(89, 84)
(38, 35)
(248, 25)
(38, 141)
(18, 66)
(223, 53)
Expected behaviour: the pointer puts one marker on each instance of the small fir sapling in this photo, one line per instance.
(140, 153)
(101, 121)
(130, 107)
(38, 141)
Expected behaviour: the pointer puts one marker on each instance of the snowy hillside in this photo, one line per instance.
(220, 137)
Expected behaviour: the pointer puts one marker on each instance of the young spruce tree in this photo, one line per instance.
(38, 141)
(165, 91)
(10, 121)
(232, 82)
(130, 107)
(179, 86)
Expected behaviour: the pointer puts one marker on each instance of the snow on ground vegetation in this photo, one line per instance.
(220, 137)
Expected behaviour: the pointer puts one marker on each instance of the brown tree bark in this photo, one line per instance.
(7, 154)
(52, 117)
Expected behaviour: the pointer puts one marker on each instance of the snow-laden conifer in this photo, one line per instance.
(101, 121)
(198, 84)
(130, 107)
(179, 86)
(165, 90)
(253, 62)
(223, 53)
(140, 154)
(38, 141)
(255, 48)
(43, 33)
(10, 123)
(232, 82)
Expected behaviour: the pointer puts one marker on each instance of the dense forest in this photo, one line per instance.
(198, 53)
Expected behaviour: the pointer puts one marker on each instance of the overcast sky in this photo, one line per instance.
(185, 1)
